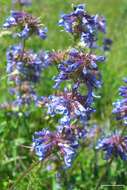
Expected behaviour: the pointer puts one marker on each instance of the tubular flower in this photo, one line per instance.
(83, 26)
(64, 142)
(23, 65)
(72, 109)
(24, 70)
(120, 106)
(80, 67)
(114, 145)
(46, 58)
(29, 24)
(70, 105)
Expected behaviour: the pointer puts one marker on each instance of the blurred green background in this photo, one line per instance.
(14, 158)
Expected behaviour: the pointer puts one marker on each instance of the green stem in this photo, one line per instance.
(65, 179)
(123, 130)
(104, 174)
(25, 173)
(95, 163)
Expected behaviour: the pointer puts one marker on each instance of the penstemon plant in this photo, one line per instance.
(71, 106)
(79, 67)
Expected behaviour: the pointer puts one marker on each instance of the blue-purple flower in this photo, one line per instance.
(46, 58)
(29, 24)
(83, 26)
(23, 65)
(120, 106)
(63, 142)
(80, 67)
(69, 105)
(114, 145)
(24, 71)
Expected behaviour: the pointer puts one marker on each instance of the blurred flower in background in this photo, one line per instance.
(22, 2)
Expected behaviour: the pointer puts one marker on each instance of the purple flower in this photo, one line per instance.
(24, 71)
(64, 142)
(70, 105)
(23, 65)
(29, 24)
(100, 23)
(24, 33)
(46, 58)
(42, 33)
(120, 106)
(24, 94)
(80, 67)
(114, 145)
(83, 26)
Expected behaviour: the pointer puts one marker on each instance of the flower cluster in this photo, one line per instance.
(80, 67)
(63, 143)
(24, 62)
(114, 145)
(120, 107)
(83, 26)
(29, 24)
(24, 69)
(71, 105)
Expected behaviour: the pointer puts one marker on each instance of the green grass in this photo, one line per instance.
(14, 158)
